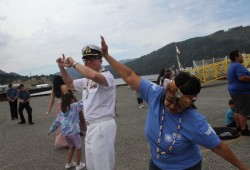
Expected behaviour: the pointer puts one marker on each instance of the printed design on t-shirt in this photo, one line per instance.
(239, 74)
(153, 85)
(209, 130)
(177, 136)
(169, 138)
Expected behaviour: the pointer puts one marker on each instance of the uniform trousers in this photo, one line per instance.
(13, 109)
(26, 106)
(100, 145)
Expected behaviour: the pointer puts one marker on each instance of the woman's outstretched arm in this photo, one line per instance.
(225, 152)
(51, 102)
(127, 74)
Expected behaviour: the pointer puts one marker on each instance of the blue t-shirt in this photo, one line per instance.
(235, 86)
(229, 116)
(194, 131)
(69, 121)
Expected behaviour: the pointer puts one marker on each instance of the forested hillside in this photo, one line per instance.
(217, 45)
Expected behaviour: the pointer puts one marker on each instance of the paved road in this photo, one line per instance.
(27, 147)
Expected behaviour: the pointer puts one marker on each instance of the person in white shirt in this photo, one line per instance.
(98, 97)
(167, 78)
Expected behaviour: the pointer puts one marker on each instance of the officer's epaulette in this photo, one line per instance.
(103, 71)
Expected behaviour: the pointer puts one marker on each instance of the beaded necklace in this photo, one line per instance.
(159, 153)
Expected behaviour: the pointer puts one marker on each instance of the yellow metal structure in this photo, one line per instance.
(215, 71)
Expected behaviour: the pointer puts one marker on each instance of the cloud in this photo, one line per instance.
(34, 33)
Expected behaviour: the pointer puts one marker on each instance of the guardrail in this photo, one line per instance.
(215, 71)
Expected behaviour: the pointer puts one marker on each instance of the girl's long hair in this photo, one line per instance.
(57, 82)
(66, 101)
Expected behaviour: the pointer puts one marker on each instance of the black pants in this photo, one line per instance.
(26, 106)
(233, 124)
(139, 100)
(13, 109)
(152, 166)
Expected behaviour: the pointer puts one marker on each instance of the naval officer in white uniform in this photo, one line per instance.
(98, 96)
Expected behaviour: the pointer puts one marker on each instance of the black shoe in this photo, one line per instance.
(21, 122)
(238, 129)
(81, 134)
(245, 132)
(12, 118)
(16, 117)
(31, 123)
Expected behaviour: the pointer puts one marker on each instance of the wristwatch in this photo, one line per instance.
(74, 64)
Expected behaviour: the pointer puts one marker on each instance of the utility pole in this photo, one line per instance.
(177, 57)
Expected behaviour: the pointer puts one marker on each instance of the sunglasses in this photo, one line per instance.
(92, 59)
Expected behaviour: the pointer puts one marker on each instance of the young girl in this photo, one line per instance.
(58, 89)
(68, 118)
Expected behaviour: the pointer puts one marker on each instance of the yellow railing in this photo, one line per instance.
(215, 71)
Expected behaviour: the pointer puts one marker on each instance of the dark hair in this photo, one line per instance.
(230, 102)
(234, 54)
(20, 86)
(10, 85)
(66, 101)
(161, 74)
(188, 85)
(57, 82)
(168, 74)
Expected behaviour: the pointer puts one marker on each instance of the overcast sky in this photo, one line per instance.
(33, 33)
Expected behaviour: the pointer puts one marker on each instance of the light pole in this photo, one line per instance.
(30, 80)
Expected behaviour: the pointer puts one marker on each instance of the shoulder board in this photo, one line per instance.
(103, 70)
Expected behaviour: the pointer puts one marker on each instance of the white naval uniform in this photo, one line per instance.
(99, 112)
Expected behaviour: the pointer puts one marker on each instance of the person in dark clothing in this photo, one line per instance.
(160, 76)
(12, 95)
(24, 98)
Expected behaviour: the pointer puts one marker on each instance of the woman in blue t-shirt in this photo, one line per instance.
(174, 127)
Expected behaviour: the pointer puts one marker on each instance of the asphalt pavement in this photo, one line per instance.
(27, 147)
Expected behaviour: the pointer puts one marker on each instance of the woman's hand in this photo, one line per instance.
(47, 113)
(104, 47)
(69, 62)
(60, 61)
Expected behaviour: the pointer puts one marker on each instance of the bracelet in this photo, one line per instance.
(74, 64)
